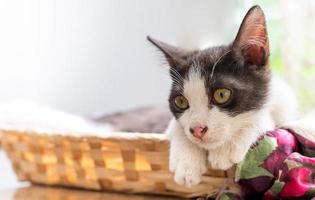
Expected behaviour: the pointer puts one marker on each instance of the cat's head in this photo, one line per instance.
(216, 92)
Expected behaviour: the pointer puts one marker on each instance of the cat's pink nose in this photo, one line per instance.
(198, 131)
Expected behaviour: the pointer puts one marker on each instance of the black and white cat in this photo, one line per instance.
(223, 98)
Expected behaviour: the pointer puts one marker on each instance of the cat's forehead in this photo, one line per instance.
(208, 57)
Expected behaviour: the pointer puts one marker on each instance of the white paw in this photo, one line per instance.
(237, 158)
(222, 164)
(224, 159)
(220, 159)
(188, 174)
(172, 164)
(238, 155)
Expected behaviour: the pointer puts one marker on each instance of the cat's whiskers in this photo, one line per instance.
(177, 73)
(176, 77)
(217, 61)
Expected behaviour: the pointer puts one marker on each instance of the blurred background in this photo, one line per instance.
(92, 57)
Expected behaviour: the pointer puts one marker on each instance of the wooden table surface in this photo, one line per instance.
(36, 192)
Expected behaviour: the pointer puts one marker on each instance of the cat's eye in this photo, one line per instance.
(181, 102)
(222, 95)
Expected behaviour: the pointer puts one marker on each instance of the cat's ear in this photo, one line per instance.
(252, 38)
(175, 56)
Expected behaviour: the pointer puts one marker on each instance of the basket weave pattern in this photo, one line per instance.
(128, 162)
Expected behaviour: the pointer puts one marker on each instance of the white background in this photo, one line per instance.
(91, 57)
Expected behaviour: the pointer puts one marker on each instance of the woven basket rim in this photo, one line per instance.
(115, 135)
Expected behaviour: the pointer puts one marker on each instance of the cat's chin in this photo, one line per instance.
(206, 144)
(212, 145)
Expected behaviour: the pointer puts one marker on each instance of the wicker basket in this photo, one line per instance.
(125, 162)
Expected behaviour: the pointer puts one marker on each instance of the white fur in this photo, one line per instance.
(283, 103)
(187, 160)
(228, 138)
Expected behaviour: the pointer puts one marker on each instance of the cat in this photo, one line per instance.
(222, 99)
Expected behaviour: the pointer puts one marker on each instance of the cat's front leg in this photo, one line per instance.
(187, 160)
(230, 153)
(219, 158)
(241, 144)
(239, 152)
